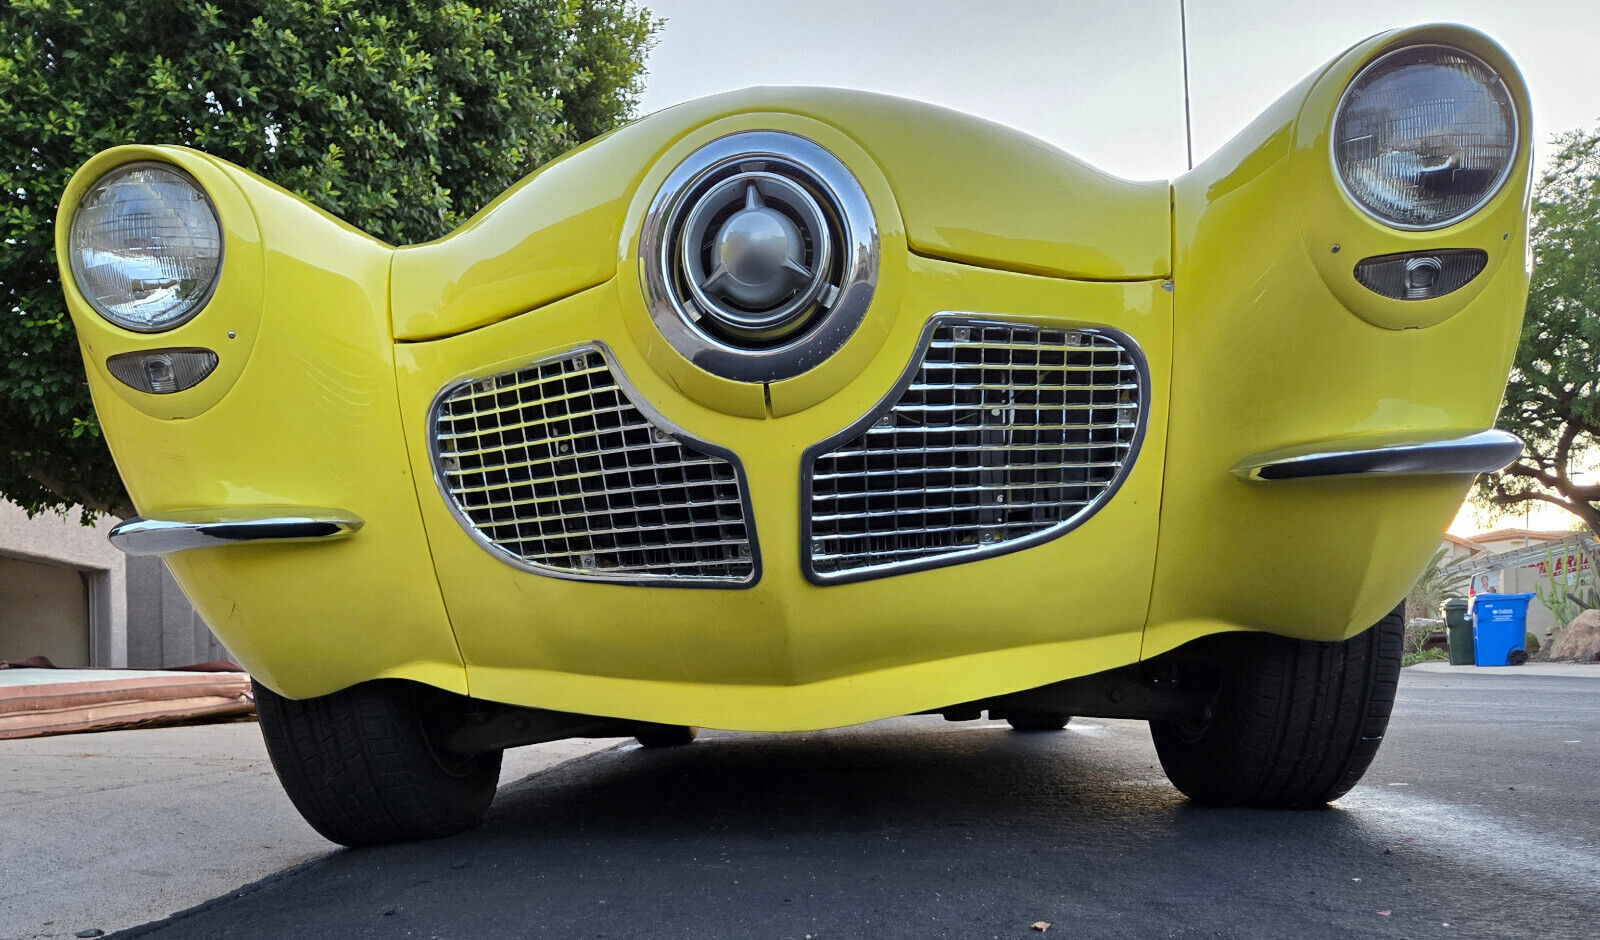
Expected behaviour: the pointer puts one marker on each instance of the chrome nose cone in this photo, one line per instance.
(765, 256)
(760, 252)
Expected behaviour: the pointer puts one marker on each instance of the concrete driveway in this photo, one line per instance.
(1480, 818)
(112, 830)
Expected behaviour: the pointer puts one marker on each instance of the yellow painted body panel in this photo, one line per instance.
(1259, 341)
(1035, 209)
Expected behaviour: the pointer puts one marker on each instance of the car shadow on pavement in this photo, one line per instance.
(904, 828)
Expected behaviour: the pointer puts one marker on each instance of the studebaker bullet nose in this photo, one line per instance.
(792, 407)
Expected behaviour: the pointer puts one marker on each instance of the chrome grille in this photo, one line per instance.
(1004, 435)
(555, 468)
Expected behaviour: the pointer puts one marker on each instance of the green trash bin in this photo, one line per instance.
(1458, 626)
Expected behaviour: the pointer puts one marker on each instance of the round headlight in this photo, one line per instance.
(145, 247)
(1424, 136)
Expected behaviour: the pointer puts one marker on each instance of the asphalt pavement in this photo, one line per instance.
(1480, 818)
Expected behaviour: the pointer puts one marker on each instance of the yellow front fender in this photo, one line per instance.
(1278, 346)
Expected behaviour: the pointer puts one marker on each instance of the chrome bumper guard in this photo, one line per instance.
(1483, 452)
(180, 531)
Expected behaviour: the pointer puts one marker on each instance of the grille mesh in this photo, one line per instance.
(1006, 432)
(554, 466)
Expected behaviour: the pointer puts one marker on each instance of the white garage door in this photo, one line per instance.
(44, 611)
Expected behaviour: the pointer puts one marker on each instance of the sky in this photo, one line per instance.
(1103, 80)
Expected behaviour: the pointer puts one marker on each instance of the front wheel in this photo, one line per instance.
(1295, 724)
(363, 768)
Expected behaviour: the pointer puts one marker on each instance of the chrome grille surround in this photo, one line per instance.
(560, 467)
(1000, 435)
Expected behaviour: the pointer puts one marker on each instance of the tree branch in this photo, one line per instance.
(1584, 511)
(83, 497)
(1544, 477)
(1569, 433)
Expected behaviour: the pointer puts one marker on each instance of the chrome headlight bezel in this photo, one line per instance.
(178, 314)
(1500, 89)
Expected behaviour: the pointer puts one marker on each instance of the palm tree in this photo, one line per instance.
(1436, 585)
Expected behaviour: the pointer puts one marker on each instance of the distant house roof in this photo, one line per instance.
(1466, 543)
(1532, 535)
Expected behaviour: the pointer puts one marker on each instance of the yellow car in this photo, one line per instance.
(794, 408)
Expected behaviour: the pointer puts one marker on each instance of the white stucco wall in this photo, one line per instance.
(1541, 622)
(53, 538)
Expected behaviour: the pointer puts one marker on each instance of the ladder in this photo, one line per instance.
(1580, 543)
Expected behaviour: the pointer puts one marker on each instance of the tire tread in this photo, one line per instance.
(358, 766)
(1297, 724)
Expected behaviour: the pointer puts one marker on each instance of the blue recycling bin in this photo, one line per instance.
(1500, 629)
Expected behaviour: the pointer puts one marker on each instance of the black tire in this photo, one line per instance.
(1038, 721)
(658, 736)
(359, 765)
(1518, 658)
(1296, 723)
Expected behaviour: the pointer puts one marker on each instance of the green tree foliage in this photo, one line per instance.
(1553, 401)
(401, 117)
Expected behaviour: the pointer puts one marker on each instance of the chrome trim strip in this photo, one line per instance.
(208, 528)
(887, 403)
(1483, 452)
(642, 404)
